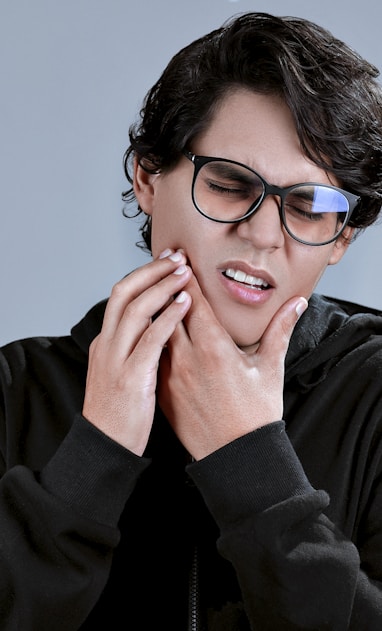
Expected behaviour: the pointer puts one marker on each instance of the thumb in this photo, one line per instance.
(275, 340)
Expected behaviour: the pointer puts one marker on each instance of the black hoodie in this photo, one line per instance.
(280, 529)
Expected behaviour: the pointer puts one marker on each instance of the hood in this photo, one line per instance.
(88, 328)
(327, 330)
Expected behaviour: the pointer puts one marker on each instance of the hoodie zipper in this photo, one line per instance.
(195, 622)
(193, 594)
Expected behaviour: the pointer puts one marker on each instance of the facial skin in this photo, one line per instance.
(256, 130)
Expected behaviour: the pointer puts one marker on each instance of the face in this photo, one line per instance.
(256, 130)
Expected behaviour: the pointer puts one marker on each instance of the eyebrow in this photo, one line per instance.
(232, 170)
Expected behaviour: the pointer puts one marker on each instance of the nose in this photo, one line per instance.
(264, 228)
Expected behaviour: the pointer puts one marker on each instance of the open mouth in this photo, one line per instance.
(246, 279)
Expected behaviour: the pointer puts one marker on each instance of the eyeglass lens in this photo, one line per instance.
(227, 191)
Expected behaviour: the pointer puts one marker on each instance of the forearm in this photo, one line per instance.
(295, 569)
(59, 530)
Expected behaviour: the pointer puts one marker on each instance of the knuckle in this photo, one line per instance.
(117, 290)
(132, 310)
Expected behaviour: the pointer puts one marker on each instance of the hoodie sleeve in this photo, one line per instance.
(59, 529)
(63, 487)
(295, 569)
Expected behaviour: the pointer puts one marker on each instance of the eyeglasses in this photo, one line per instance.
(229, 192)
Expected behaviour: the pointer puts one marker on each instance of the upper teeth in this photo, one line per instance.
(242, 277)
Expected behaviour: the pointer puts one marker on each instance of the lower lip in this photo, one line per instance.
(245, 294)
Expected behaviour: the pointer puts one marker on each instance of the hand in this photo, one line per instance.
(210, 390)
(140, 316)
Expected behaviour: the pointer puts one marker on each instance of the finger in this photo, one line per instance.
(196, 317)
(139, 314)
(133, 285)
(157, 335)
(275, 340)
(201, 323)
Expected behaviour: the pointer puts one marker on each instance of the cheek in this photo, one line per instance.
(165, 225)
(176, 224)
(168, 211)
(310, 267)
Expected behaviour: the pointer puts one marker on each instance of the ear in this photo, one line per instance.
(143, 187)
(341, 245)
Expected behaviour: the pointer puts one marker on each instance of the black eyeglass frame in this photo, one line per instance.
(269, 189)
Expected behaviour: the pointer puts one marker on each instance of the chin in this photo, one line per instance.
(243, 337)
(244, 341)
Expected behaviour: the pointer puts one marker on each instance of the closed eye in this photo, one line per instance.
(303, 213)
(226, 189)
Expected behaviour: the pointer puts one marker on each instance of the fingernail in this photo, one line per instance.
(180, 270)
(176, 257)
(165, 253)
(181, 297)
(301, 306)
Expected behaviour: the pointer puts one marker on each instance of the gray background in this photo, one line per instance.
(73, 75)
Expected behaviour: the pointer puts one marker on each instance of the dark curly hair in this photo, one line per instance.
(332, 92)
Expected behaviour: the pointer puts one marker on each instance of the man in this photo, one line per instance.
(176, 475)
